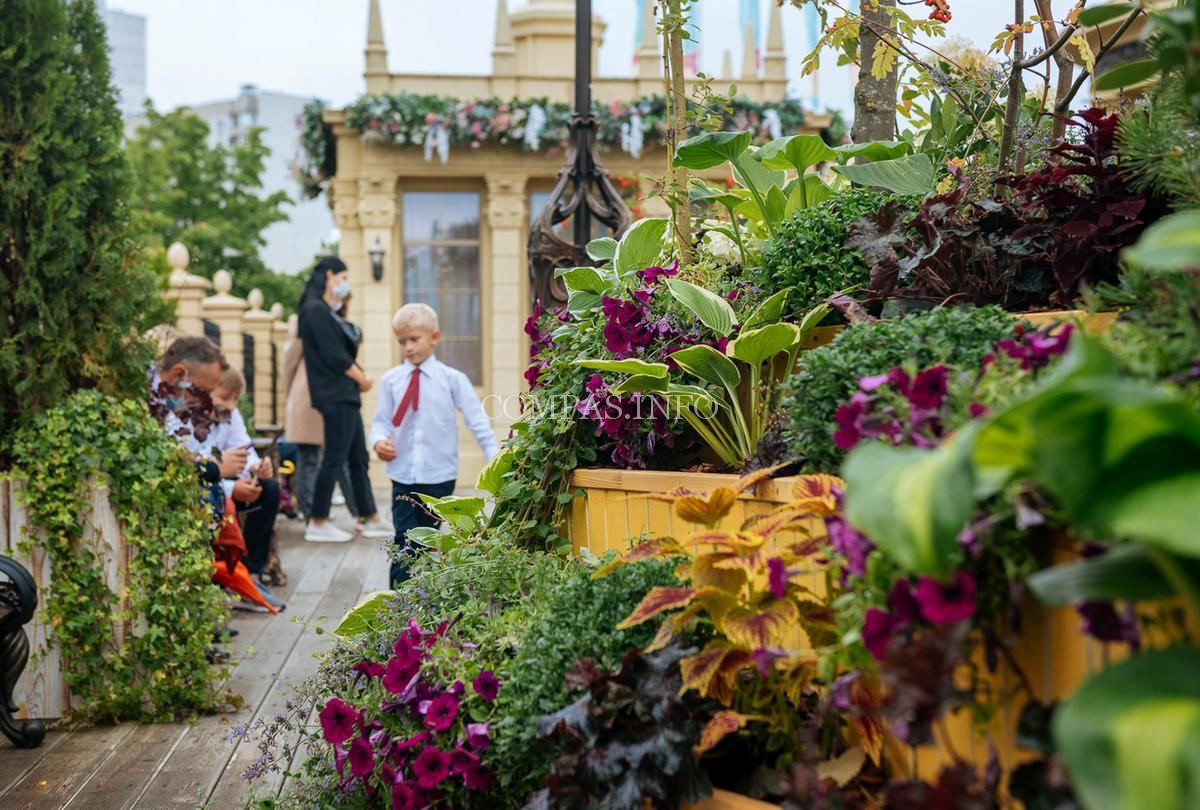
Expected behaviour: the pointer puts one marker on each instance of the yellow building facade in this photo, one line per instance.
(453, 234)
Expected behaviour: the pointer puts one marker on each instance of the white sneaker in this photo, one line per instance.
(338, 499)
(377, 529)
(326, 533)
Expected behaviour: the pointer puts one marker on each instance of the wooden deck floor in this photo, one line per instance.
(160, 766)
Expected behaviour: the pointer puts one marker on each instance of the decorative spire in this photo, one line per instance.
(376, 72)
(749, 55)
(504, 54)
(774, 62)
(647, 53)
(727, 66)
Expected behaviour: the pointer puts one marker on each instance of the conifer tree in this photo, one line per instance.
(73, 294)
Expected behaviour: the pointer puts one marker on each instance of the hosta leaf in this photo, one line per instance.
(757, 345)
(643, 383)
(585, 279)
(709, 365)
(491, 477)
(769, 311)
(1171, 244)
(872, 150)
(711, 149)
(602, 249)
(766, 626)
(722, 724)
(658, 600)
(640, 246)
(629, 366)
(910, 502)
(360, 619)
(582, 301)
(1130, 737)
(912, 174)
(795, 152)
(712, 310)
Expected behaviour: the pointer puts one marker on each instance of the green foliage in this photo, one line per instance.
(318, 163)
(1130, 737)
(807, 256)
(829, 375)
(208, 198)
(72, 299)
(576, 619)
(1158, 146)
(158, 671)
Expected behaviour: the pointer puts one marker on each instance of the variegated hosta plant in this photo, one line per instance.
(750, 584)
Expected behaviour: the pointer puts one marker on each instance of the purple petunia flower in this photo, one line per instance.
(929, 388)
(441, 712)
(461, 760)
(877, 632)
(486, 685)
(651, 275)
(371, 669)
(400, 671)
(479, 777)
(945, 604)
(431, 767)
(362, 758)
(851, 544)
(478, 736)
(1102, 622)
(402, 797)
(337, 721)
(848, 417)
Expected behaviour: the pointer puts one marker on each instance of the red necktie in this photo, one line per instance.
(411, 398)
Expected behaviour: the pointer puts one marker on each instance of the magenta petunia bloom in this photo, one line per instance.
(877, 632)
(945, 604)
(339, 758)
(362, 758)
(371, 669)
(442, 712)
(399, 672)
(478, 736)
(902, 604)
(848, 417)
(413, 741)
(431, 767)
(479, 777)
(898, 379)
(777, 577)
(929, 388)
(402, 797)
(651, 275)
(869, 384)
(461, 760)
(337, 721)
(486, 685)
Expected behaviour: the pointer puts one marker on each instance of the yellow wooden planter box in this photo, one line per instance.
(617, 511)
(724, 800)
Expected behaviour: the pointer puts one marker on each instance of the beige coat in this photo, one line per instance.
(303, 424)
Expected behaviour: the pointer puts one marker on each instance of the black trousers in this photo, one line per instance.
(345, 443)
(259, 524)
(407, 515)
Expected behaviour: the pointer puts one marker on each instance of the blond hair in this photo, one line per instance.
(419, 315)
(231, 380)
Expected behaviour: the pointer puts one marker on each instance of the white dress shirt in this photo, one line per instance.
(224, 436)
(427, 439)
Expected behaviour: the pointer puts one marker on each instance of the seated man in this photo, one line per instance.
(252, 484)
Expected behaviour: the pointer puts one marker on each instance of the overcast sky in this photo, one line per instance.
(199, 52)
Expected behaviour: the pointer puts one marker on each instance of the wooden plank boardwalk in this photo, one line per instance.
(198, 765)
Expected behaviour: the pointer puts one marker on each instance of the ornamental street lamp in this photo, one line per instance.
(376, 254)
(583, 190)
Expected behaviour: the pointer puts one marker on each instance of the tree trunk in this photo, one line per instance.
(874, 99)
(683, 214)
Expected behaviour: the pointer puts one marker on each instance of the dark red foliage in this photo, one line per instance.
(627, 739)
(1056, 229)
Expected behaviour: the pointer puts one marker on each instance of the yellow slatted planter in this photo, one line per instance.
(724, 800)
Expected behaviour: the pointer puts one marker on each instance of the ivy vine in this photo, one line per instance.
(159, 670)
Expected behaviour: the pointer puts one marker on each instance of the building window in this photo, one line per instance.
(441, 268)
(565, 229)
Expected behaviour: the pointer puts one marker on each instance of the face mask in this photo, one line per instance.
(179, 402)
(341, 289)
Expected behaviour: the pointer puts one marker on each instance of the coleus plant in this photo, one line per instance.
(747, 585)
(738, 391)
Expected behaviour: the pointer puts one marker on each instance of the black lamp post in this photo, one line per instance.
(583, 189)
(376, 254)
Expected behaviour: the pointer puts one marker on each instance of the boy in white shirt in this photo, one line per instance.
(414, 429)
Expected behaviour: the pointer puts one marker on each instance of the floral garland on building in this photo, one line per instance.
(438, 123)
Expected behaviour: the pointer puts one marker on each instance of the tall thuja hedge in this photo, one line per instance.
(73, 294)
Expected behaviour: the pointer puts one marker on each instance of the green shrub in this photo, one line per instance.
(161, 672)
(578, 619)
(806, 254)
(828, 376)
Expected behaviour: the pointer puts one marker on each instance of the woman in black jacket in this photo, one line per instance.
(335, 381)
